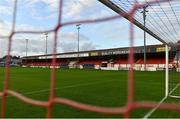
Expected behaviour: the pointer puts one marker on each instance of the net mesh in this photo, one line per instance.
(174, 82)
(131, 104)
(160, 19)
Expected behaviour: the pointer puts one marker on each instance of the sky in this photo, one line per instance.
(43, 14)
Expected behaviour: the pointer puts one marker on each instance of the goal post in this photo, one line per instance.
(167, 70)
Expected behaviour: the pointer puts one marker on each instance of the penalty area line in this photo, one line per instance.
(170, 93)
(162, 100)
(154, 109)
(65, 87)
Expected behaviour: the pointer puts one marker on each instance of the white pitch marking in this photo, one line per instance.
(162, 100)
(71, 86)
(154, 109)
(174, 88)
(174, 96)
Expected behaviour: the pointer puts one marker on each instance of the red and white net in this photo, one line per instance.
(131, 104)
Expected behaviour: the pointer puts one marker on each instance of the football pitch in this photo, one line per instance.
(95, 87)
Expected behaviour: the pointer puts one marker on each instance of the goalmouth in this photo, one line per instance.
(173, 72)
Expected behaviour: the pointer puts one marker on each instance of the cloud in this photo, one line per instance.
(3, 47)
(35, 45)
(50, 4)
(68, 47)
(73, 8)
(25, 27)
(89, 46)
(84, 9)
(67, 42)
(71, 36)
(72, 47)
(5, 28)
(5, 10)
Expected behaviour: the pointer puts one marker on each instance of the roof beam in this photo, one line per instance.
(119, 10)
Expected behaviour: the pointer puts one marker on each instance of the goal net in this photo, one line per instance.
(159, 25)
(174, 72)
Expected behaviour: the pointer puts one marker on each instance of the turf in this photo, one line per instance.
(102, 88)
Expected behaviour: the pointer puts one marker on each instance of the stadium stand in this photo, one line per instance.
(94, 62)
(107, 59)
(121, 61)
(158, 60)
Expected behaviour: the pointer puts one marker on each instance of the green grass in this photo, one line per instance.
(102, 88)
